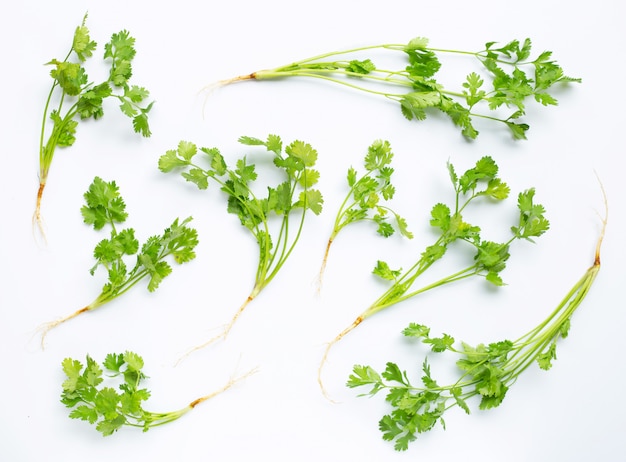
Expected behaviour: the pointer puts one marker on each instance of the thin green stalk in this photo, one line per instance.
(419, 90)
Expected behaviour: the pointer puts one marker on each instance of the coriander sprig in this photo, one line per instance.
(486, 371)
(104, 206)
(513, 75)
(366, 198)
(110, 409)
(80, 99)
(293, 196)
(490, 258)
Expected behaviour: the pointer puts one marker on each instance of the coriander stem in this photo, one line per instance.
(47, 327)
(380, 75)
(43, 125)
(320, 276)
(265, 255)
(569, 304)
(226, 330)
(330, 344)
(385, 302)
(155, 419)
(271, 74)
(37, 218)
(465, 273)
(457, 52)
(336, 53)
(231, 382)
(286, 252)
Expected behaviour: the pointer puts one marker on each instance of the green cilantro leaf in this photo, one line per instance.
(72, 369)
(361, 67)
(383, 271)
(71, 77)
(82, 44)
(416, 330)
(104, 205)
(311, 199)
(532, 222)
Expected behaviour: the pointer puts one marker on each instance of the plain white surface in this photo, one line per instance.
(574, 412)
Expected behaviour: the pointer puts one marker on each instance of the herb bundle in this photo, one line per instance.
(367, 197)
(105, 207)
(509, 78)
(294, 195)
(110, 409)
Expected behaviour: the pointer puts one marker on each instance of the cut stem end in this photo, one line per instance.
(37, 218)
(222, 336)
(337, 339)
(47, 327)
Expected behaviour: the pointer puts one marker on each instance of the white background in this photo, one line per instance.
(574, 412)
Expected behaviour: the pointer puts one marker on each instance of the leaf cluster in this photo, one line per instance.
(105, 206)
(514, 78)
(369, 192)
(86, 98)
(415, 409)
(485, 371)
(71, 77)
(295, 193)
(105, 406)
(490, 258)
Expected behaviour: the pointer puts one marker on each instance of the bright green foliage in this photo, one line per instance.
(382, 270)
(367, 196)
(509, 78)
(106, 407)
(368, 192)
(294, 195)
(486, 371)
(104, 206)
(480, 181)
(81, 99)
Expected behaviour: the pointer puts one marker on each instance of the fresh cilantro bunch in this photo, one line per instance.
(105, 207)
(509, 78)
(487, 371)
(490, 258)
(290, 199)
(480, 181)
(109, 408)
(80, 99)
(367, 196)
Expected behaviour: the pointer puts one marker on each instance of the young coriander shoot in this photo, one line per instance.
(478, 182)
(289, 200)
(486, 371)
(514, 78)
(366, 197)
(105, 207)
(73, 98)
(110, 409)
